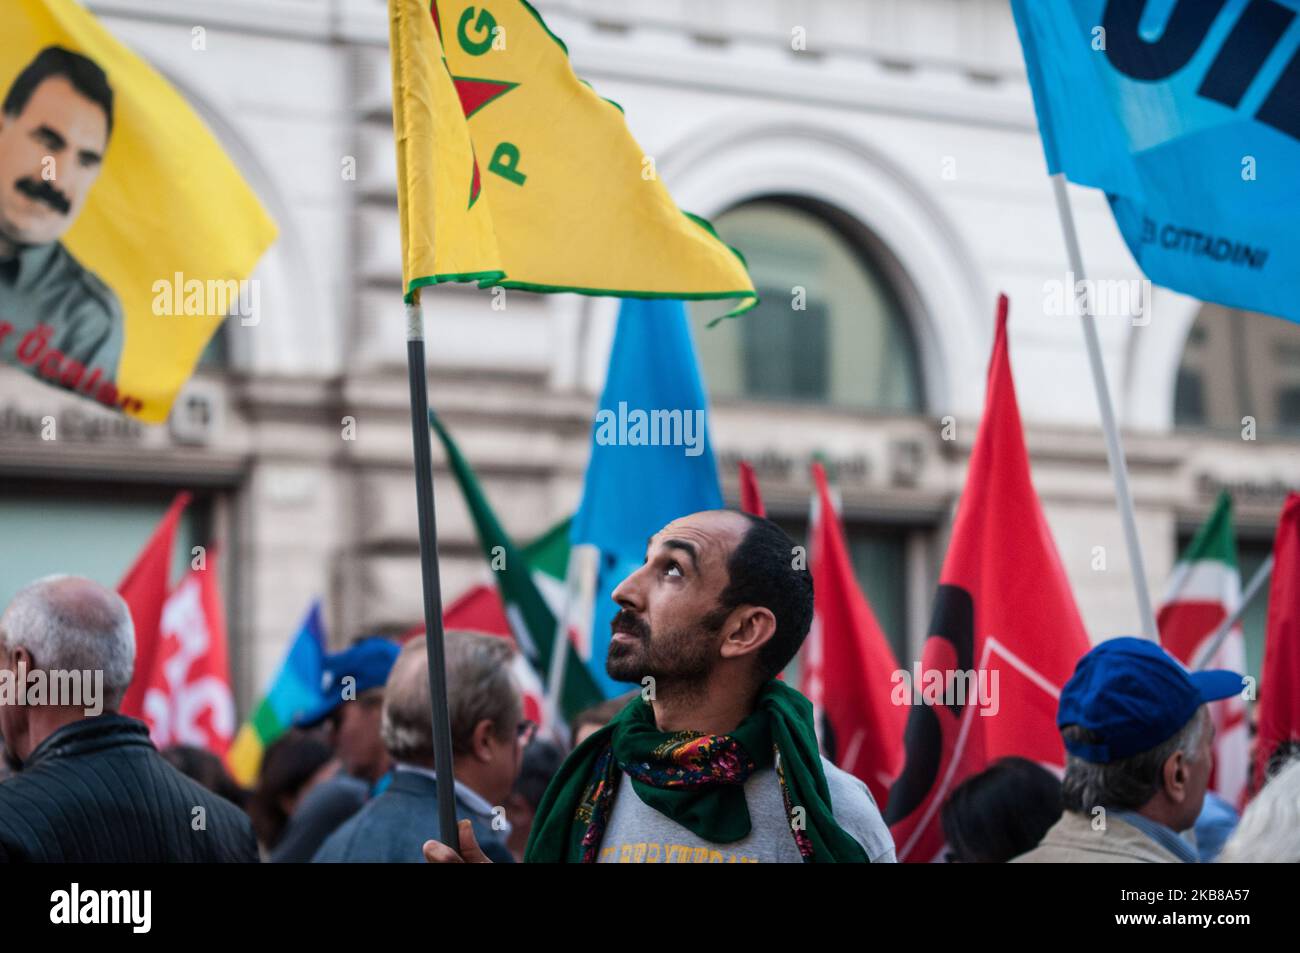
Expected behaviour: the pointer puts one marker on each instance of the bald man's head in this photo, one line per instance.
(716, 586)
(67, 623)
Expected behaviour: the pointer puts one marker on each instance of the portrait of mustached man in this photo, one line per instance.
(55, 126)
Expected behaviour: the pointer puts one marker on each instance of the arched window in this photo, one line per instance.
(829, 329)
(1239, 364)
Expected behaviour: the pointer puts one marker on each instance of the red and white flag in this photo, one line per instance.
(1204, 589)
(1004, 613)
(187, 696)
(848, 666)
(145, 587)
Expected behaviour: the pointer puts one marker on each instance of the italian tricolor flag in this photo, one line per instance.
(524, 600)
(1204, 588)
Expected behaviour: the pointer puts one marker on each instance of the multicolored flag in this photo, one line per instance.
(848, 665)
(651, 462)
(514, 172)
(187, 697)
(1005, 629)
(127, 235)
(295, 690)
(1279, 678)
(1184, 114)
(145, 587)
(522, 584)
(1205, 589)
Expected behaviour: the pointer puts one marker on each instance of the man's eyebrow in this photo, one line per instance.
(684, 546)
(53, 135)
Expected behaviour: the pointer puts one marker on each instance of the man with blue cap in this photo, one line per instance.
(1139, 743)
(350, 706)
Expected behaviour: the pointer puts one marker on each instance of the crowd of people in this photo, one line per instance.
(716, 761)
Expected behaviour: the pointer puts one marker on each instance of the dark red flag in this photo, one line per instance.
(1003, 611)
(848, 666)
(145, 588)
(1279, 678)
(751, 501)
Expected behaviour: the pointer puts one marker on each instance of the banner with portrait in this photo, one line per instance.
(127, 235)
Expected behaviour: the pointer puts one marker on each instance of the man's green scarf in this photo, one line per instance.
(694, 779)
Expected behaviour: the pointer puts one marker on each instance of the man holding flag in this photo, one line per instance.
(512, 172)
(716, 760)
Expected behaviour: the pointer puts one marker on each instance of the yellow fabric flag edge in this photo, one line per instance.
(411, 289)
(747, 299)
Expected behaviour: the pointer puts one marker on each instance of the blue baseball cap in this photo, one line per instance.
(1134, 695)
(368, 662)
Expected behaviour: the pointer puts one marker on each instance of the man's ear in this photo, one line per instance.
(480, 742)
(20, 656)
(747, 630)
(1175, 777)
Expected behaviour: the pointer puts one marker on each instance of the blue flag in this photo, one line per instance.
(1187, 114)
(651, 461)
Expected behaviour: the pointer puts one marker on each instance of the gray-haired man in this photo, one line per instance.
(1139, 745)
(488, 737)
(92, 786)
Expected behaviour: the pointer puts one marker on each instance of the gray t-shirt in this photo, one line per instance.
(638, 834)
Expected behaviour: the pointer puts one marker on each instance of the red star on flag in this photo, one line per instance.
(474, 94)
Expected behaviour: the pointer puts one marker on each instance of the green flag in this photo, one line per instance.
(522, 576)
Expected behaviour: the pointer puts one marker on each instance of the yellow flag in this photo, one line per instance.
(514, 172)
(126, 234)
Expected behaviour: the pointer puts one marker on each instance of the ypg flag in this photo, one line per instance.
(1204, 589)
(1004, 636)
(513, 172)
(126, 234)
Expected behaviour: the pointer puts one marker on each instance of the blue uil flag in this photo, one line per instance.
(1187, 114)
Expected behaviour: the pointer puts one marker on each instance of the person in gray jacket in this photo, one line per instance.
(488, 737)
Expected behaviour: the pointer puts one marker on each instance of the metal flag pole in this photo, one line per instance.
(1114, 449)
(1256, 583)
(433, 635)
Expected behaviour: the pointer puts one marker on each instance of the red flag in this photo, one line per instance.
(187, 696)
(1005, 613)
(751, 501)
(1279, 678)
(144, 587)
(848, 665)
